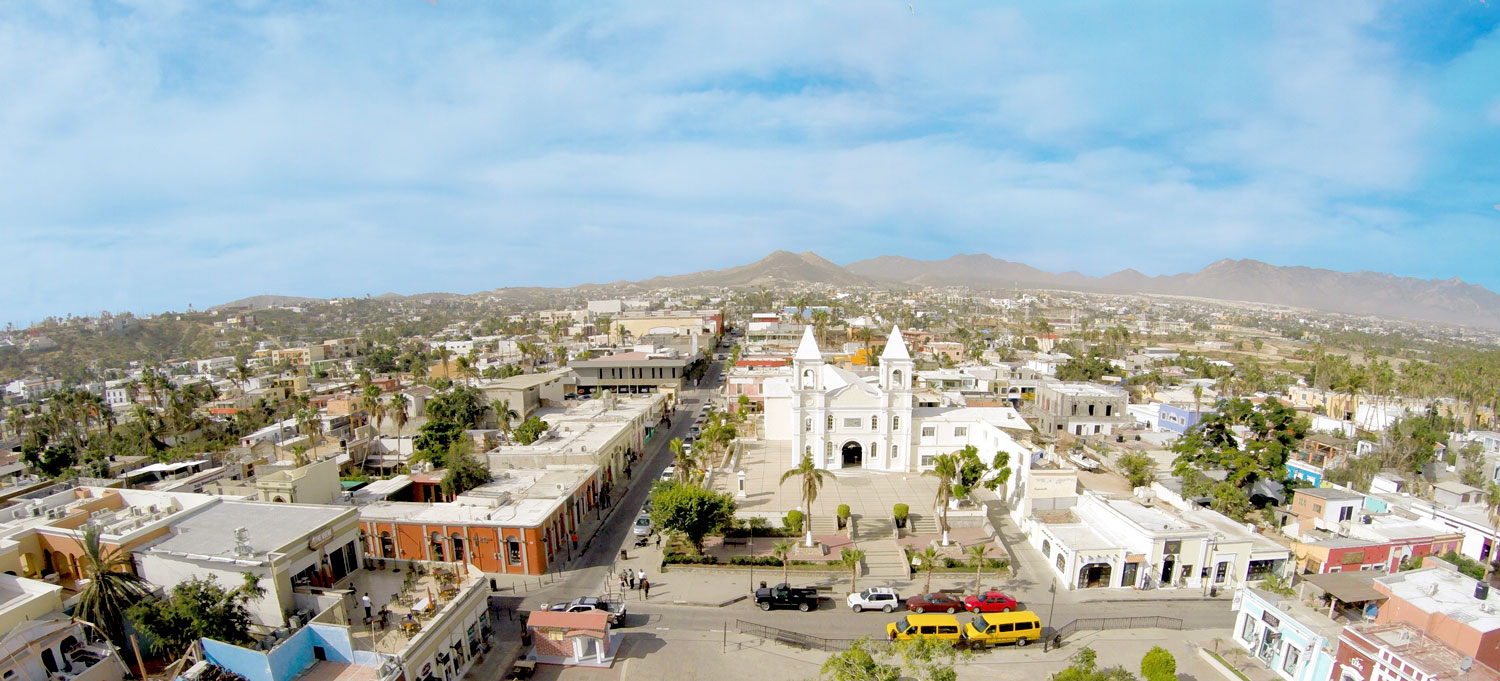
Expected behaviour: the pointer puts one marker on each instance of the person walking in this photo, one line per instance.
(630, 574)
(622, 581)
(658, 541)
(641, 578)
(574, 537)
(645, 589)
(365, 600)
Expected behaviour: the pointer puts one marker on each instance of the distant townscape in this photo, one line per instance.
(959, 469)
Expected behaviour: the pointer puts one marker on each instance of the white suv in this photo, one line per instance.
(881, 598)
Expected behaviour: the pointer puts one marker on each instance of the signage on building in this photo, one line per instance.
(1269, 619)
(320, 538)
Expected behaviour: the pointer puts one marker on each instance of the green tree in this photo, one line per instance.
(783, 552)
(976, 553)
(112, 588)
(1139, 468)
(530, 430)
(810, 478)
(399, 405)
(1273, 431)
(464, 405)
(850, 558)
(197, 608)
(1159, 665)
(465, 470)
(1085, 667)
(863, 661)
(927, 559)
(1492, 504)
(435, 439)
(1090, 368)
(503, 415)
(693, 511)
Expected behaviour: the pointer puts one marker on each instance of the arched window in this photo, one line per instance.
(458, 547)
(895, 452)
(828, 450)
(807, 378)
(1046, 548)
(1062, 560)
(807, 426)
(436, 540)
(896, 379)
(829, 425)
(874, 450)
(874, 423)
(895, 423)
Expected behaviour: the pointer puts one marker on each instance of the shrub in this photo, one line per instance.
(996, 563)
(900, 511)
(793, 521)
(768, 561)
(844, 511)
(1466, 565)
(951, 563)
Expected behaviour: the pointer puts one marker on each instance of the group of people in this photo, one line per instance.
(635, 580)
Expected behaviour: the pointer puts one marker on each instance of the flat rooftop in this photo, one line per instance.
(270, 527)
(1079, 537)
(1330, 493)
(518, 498)
(1438, 589)
(1149, 518)
(1084, 390)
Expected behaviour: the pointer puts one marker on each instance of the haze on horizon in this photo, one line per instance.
(159, 154)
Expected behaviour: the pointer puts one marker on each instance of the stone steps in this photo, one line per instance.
(867, 529)
(923, 524)
(884, 559)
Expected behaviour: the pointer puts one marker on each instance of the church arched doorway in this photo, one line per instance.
(854, 455)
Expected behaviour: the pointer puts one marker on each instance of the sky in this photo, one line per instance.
(157, 154)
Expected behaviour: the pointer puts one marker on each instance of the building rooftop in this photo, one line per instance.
(1435, 660)
(1330, 493)
(1084, 390)
(1150, 518)
(268, 527)
(1441, 590)
(1079, 537)
(1000, 417)
(517, 497)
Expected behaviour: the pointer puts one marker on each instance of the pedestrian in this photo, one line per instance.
(641, 578)
(645, 589)
(658, 541)
(574, 536)
(631, 574)
(365, 600)
(622, 581)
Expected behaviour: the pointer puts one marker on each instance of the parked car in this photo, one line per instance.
(589, 603)
(942, 627)
(881, 598)
(669, 473)
(996, 628)
(990, 601)
(934, 602)
(642, 525)
(786, 596)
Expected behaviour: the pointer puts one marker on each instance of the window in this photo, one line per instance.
(513, 551)
(1248, 633)
(1091, 410)
(829, 424)
(896, 379)
(948, 629)
(1346, 513)
(828, 450)
(926, 460)
(895, 452)
(1024, 626)
(1062, 560)
(1046, 547)
(1005, 628)
(1289, 661)
(896, 425)
(1221, 573)
(807, 426)
(929, 431)
(874, 450)
(874, 423)
(807, 450)
(1109, 410)
(960, 431)
(929, 629)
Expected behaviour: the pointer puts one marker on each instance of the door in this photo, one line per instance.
(1167, 566)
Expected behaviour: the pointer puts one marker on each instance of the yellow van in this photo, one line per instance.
(995, 628)
(942, 627)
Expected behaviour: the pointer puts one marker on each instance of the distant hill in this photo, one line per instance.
(1362, 293)
(778, 267)
(264, 301)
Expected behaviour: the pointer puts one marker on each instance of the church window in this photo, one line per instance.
(929, 431)
(807, 378)
(807, 425)
(828, 450)
(874, 423)
(895, 452)
(895, 423)
(896, 379)
(874, 450)
(830, 422)
(960, 431)
(808, 451)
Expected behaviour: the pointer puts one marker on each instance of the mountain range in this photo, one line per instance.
(1446, 301)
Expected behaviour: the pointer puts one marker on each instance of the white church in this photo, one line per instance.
(844, 420)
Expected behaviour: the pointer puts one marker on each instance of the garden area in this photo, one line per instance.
(755, 542)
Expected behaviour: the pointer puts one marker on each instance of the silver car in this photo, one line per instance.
(642, 525)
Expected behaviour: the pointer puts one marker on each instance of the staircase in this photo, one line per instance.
(825, 524)
(884, 560)
(875, 528)
(923, 524)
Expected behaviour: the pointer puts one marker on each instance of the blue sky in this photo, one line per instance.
(157, 154)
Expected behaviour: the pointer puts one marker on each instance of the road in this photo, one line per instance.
(833, 620)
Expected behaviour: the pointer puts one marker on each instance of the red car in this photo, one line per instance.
(990, 601)
(934, 602)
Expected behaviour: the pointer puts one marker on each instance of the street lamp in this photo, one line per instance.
(1051, 608)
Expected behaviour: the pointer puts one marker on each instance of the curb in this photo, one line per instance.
(721, 604)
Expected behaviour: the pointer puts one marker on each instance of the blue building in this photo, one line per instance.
(1302, 470)
(1288, 638)
(1178, 420)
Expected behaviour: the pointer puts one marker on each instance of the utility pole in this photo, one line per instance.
(1052, 587)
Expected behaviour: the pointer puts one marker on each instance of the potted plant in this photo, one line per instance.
(793, 521)
(900, 511)
(843, 516)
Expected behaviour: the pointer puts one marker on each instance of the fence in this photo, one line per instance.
(792, 638)
(1105, 623)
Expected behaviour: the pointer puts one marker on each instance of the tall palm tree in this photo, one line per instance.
(811, 479)
(976, 555)
(504, 415)
(443, 354)
(1492, 502)
(928, 557)
(399, 403)
(112, 588)
(850, 558)
(783, 552)
(946, 468)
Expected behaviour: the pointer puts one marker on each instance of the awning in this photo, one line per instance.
(167, 467)
(1349, 587)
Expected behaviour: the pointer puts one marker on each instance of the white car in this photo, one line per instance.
(669, 473)
(882, 598)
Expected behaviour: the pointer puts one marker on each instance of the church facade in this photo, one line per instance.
(846, 421)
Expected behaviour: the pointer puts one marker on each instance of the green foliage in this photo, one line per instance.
(1159, 665)
(1273, 432)
(693, 511)
(464, 471)
(1139, 468)
(434, 439)
(529, 430)
(1465, 564)
(463, 405)
(793, 521)
(50, 460)
(112, 588)
(1277, 584)
(1090, 368)
(901, 511)
(1085, 667)
(843, 511)
(1231, 500)
(863, 661)
(195, 609)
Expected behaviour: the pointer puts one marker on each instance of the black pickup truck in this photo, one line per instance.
(785, 596)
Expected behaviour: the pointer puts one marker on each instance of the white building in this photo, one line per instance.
(844, 420)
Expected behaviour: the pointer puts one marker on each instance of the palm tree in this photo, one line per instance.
(443, 354)
(1492, 502)
(112, 588)
(928, 557)
(685, 459)
(850, 558)
(504, 415)
(976, 555)
(811, 478)
(1198, 401)
(946, 468)
(783, 551)
(399, 403)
